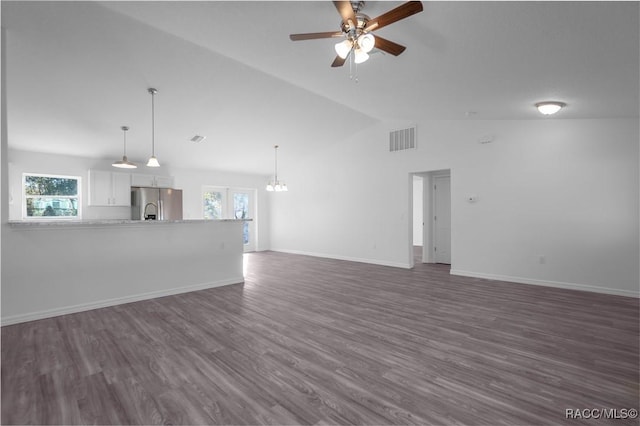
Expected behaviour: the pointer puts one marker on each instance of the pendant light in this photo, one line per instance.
(124, 163)
(153, 161)
(275, 184)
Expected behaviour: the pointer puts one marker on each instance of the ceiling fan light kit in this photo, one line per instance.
(344, 48)
(367, 42)
(356, 27)
(360, 56)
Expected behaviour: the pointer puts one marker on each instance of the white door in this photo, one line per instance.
(232, 203)
(442, 219)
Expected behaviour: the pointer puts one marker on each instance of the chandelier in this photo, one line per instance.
(275, 184)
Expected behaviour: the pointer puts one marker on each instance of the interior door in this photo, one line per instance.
(232, 203)
(442, 219)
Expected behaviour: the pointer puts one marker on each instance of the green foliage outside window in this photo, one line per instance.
(44, 185)
(47, 196)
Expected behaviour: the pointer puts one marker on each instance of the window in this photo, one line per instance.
(49, 196)
(231, 203)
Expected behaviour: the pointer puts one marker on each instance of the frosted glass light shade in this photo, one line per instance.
(153, 162)
(367, 42)
(548, 108)
(360, 56)
(343, 48)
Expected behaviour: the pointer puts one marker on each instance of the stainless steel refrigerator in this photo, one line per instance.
(156, 203)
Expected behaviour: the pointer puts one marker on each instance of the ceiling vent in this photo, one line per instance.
(197, 138)
(401, 140)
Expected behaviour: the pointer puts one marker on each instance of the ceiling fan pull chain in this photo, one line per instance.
(353, 76)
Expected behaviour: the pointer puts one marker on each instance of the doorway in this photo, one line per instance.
(232, 203)
(431, 215)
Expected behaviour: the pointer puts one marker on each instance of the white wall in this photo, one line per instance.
(564, 189)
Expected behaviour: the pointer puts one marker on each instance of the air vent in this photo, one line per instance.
(401, 140)
(197, 138)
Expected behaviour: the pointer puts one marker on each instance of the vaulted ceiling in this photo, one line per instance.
(77, 71)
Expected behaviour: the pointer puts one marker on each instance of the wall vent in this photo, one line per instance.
(401, 140)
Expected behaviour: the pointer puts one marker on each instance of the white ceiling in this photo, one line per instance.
(77, 71)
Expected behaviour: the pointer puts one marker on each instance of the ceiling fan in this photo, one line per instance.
(357, 28)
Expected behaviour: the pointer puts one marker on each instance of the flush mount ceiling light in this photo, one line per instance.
(275, 184)
(550, 107)
(124, 163)
(153, 161)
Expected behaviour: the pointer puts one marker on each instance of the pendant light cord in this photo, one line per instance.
(124, 136)
(276, 163)
(153, 125)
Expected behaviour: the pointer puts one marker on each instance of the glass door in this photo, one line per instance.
(232, 203)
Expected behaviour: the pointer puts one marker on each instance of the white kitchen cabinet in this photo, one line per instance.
(109, 188)
(152, 180)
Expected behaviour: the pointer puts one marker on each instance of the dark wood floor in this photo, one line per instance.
(317, 341)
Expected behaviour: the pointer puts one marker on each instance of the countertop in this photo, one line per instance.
(111, 222)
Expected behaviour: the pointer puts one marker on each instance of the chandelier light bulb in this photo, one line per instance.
(367, 42)
(343, 48)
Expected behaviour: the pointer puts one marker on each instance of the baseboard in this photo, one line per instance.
(557, 284)
(348, 258)
(32, 316)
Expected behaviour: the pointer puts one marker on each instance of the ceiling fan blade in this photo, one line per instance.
(338, 62)
(311, 36)
(389, 46)
(346, 12)
(403, 11)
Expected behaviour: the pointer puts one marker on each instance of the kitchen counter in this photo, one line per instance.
(59, 267)
(52, 223)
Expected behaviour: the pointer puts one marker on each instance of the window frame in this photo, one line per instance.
(26, 196)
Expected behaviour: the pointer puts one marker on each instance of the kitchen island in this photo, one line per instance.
(56, 267)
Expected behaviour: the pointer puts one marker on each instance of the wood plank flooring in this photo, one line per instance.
(316, 341)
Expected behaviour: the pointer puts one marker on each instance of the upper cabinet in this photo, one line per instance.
(151, 180)
(109, 188)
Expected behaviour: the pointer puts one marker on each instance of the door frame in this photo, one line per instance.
(428, 211)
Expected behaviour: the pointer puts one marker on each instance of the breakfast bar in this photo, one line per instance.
(57, 267)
